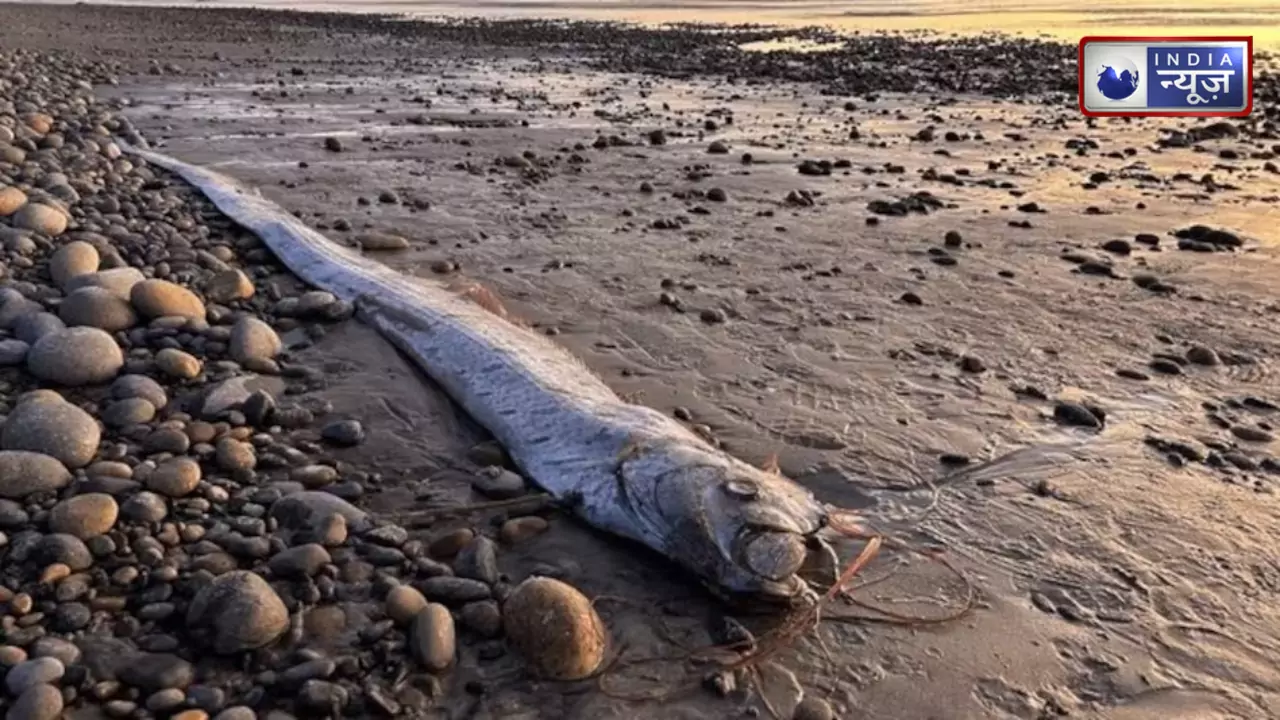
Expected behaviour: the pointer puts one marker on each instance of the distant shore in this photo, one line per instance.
(1066, 22)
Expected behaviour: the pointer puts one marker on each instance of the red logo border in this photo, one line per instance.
(1164, 113)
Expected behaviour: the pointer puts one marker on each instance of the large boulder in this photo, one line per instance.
(238, 611)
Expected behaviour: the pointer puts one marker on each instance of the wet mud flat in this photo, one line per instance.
(881, 263)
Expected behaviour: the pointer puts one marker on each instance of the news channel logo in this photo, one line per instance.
(1189, 76)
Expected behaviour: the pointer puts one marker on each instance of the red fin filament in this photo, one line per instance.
(484, 297)
(770, 464)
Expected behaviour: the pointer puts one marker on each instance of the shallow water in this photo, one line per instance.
(1060, 19)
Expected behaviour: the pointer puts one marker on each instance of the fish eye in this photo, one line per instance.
(742, 489)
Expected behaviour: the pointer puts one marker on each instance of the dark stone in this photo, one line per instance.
(153, 672)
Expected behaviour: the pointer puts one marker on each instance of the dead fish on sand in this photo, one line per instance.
(623, 468)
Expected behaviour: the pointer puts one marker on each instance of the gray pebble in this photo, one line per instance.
(23, 473)
(139, 386)
(153, 672)
(240, 610)
(75, 356)
(498, 483)
(33, 672)
(345, 433)
(41, 702)
(99, 308)
(55, 428)
(252, 338)
(478, 561)
(454, 590)
(13, 352)
(300, 562)
(30, 328)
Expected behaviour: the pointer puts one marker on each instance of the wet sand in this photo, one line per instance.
(1032, 299)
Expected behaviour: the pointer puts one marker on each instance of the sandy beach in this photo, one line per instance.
(1029, 344)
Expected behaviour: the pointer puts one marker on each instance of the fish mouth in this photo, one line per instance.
(771, 554)
(786, 565)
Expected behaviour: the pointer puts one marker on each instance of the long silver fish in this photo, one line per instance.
(626, 469)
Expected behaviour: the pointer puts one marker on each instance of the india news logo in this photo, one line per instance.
(1166, 76)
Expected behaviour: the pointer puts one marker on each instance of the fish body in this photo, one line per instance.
(623, 468)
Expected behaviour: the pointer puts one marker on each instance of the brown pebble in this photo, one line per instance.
(54, 573)
(555, 628)
(519, 529)
(21, 604)
(404, 603)
(448, 545)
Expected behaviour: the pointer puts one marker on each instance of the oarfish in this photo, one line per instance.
(624, 468)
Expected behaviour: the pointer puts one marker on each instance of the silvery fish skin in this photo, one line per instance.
(623, 468)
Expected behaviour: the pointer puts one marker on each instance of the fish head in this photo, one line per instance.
(743, 530)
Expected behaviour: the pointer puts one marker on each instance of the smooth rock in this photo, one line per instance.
(240, 610)
(139, 386)
(323, 698)
(14, 306)
(305, 511)
(1201, 355)
(118, 281)
(41, 702)
(478, 561)
(127, 412)
(64, 651)
(314, 476)
(72, 260)
(11, 655)
(233, 392)
(11, 199)
(75, 356)
(432, 638)
(300, 562)
(555, 628)
(231, 454)
(228, 286)
(39, 671)
(153, 672)
(31, 327)
(381, 241)
(161, 298)
(57, 429)
(499, 483)
(84, 516)
(345, 433)
(178, 364)
(146, 507)
(176, 477)
(99, 308)
(252, 338)
(483, 617)
(62, 548)
(41, 218)
(23, 473)
(403, 603)
(454, 589)
(813, 708)
(13, 352)
(517, 530)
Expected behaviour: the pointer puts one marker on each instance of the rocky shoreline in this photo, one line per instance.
(168, 494)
